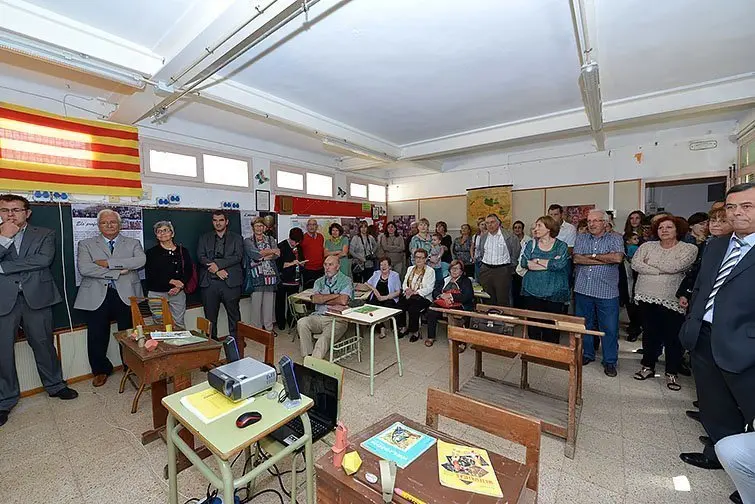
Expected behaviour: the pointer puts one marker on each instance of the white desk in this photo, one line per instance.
(368, 315)
(305, 296)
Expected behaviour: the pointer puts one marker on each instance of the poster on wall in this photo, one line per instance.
(487, 200)
(404, 223)
(575, 213)
(247, 216)
(84, 219)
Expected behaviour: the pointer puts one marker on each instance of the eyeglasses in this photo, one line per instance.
(163, 231)
(17, 211)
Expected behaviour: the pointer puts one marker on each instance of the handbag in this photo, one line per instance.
(191, 286)
(443, 303)
(492, 326)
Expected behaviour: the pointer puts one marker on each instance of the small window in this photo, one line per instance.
(289, 180)
(319, 185)
(358, 190)
(377, 193)
(225, 171)
(171, 163)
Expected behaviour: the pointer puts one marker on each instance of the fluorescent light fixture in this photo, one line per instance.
(69, 59)
(350, 149)
(589, 85)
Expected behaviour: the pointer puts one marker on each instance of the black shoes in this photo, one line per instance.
(696, 404)
(586, 361)
(66, 394)
(705, 440)
(610, 370)
(700, 460)
(735, 498)
(402, 333)
(632, 337)
(413, 338)
(684, 370)
(694, 415)
(3, 417)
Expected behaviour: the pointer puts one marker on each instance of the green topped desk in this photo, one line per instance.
(225, 441)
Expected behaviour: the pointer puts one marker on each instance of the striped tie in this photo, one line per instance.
(726, 268)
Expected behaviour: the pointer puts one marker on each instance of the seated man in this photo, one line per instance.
(334, 288)
(737, 454)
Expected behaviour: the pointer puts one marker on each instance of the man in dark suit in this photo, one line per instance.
(27, 293)
(720, 328)
(220, 253)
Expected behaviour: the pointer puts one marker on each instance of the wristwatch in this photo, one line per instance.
(594, 256)
(537, 261)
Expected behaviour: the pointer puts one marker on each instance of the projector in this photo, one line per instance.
(242, 379)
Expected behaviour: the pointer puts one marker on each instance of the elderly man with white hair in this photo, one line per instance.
(597, 256)
(108, 264)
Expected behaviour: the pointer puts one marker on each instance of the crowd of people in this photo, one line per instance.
(670, 273)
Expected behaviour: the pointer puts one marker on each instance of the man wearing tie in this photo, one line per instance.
(108, 264)
(27, 293)
(720, 328)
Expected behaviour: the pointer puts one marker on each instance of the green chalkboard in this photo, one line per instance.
(189, 224)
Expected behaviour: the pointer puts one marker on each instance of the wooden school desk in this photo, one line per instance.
(225, 441)
(420, 478)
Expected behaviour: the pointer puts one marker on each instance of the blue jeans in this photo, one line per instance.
(737, 455)
(600, 315)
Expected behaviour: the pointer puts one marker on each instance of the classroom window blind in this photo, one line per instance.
(358, 190)
(377, 193)
(289, 180)
(171, 163)
(319, 185)
(225, 171)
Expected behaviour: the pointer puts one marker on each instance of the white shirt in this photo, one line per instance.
(568, 234)
(748, 243)
(496, 250)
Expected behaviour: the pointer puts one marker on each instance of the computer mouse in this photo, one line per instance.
(247, 419)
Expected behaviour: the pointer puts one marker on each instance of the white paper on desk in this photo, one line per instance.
(162, 335)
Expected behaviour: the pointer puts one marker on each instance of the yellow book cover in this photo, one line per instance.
(209, 404)
(468, 469)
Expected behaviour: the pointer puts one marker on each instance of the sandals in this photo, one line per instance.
(462, 347)
(644, 373)
(671, 382)
(429, 342)
(414, 337)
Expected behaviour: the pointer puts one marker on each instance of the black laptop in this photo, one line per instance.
(323, 390)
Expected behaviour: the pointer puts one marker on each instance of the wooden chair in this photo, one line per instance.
(158, 308)
(494, 420)
(298, 310)
(204, 325)
(265, 338)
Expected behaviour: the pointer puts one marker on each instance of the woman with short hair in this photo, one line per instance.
(456, 289)
(392, 246)
(338, 245)
(661, 266)
(445, 239)
(422, 240)
(289, 265)
(545, 287)
(385, 285)
(462, 249)
(418, 291)
(261, 251)
(363, 251)
(167, 271)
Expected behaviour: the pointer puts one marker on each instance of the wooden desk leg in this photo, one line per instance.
(571, 427)
(524, 380)
(453, 352)
(478, 363)
(159, 413)
(579, 369)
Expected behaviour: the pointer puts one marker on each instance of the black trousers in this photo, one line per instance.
(543, 305)
(281, 299)
(517, 299)
(98, 330)
(661, 329)
(308, 277)
(414, 306)
(212, 296)
(497, 282)
(635, 319)
(726, 399)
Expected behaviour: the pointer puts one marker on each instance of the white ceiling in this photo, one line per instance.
(417, 80)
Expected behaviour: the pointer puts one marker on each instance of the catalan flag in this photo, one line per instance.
(50, 152)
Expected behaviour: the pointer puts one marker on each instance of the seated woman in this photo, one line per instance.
(457, 288)
(545, 287)
(385, 285)
(418, 291)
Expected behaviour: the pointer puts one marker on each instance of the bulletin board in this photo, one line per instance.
(452, 210)
(528, 206)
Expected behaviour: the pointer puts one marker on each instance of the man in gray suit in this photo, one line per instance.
(220, 253)
(27, 293)
(108, 264)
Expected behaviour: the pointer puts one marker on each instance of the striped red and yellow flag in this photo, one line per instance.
(50, 152)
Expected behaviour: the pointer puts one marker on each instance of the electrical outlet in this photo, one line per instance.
(162, 201)
(229, 205)
(114, 199)
(60, 196)
(174, 199)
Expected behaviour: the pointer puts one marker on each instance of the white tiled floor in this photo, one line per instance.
(630, 437)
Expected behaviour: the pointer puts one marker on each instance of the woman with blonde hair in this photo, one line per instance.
(418, 291)
(261, 252)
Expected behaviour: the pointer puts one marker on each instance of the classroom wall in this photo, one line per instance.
(682, 200)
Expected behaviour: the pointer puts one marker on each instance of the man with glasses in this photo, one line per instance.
(220, 253)
(597, 256)
(27, 293)
(500, 250)
(109, 264)
(333, 289)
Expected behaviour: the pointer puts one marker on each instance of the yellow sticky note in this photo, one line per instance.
(351, 463)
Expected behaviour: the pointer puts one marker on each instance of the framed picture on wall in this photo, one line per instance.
(262, 199)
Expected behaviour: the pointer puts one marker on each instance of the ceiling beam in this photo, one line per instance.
(28, 20)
